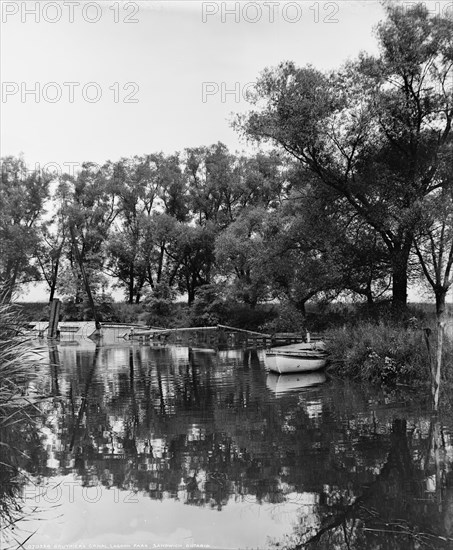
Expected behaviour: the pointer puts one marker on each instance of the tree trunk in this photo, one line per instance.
(131, 285)
(369, 294)
(85, 279)
(53, 284)
(441, 317)
(400, 259)
(399, 290)
(190, 295)
(10, 285)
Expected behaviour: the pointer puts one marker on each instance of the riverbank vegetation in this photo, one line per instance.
(18, 430)
(350, 198)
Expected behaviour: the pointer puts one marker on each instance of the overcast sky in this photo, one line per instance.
(139, 69)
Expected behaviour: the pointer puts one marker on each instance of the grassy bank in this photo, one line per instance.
(381, 352)
(18, 433)
(390, 355)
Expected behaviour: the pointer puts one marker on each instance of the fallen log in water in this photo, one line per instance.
(251, 332)
(162, 331)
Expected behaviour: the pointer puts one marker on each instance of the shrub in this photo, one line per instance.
(383, 353)
(287, 318)
(126, 313)
(160, 308)
(209, 308)
(81, 311)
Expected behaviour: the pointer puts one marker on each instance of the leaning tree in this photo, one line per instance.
(374, 131)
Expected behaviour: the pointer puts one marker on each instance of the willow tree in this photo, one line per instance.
(22, 198)
(373, 131)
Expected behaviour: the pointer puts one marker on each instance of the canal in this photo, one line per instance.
(176, 447)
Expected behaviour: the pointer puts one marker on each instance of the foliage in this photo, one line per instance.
(160, 306)
(241, 253)
(380, 353)
(22, 197)
(374, 132)
(209, 307)
(82, 311)
(288, 319)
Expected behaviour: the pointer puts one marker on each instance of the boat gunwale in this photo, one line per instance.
(315, 353)
(304, 357)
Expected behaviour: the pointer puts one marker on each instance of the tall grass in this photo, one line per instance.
(380, 352)
(15, 356)
(17, 419)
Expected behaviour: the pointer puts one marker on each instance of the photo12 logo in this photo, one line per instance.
(224, 92)
(269, 12)
(435, 9)
(72, 491)
(56, 12)
(54, 92)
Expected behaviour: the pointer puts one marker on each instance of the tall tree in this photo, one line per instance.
(192, 254)
(90, 208)
(241, 255)
(209, 172)
(22, 199)
(137, 186)
(374, 131)
(152, 198)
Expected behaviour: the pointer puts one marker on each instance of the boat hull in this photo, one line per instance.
(283, 364)
(297, 358)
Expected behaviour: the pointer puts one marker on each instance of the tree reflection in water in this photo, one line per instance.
(22, 456)
(399, 510)
(205, 429)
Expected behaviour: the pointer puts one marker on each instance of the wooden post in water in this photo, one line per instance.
(54, 318)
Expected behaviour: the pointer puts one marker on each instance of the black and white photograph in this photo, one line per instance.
(226, 275)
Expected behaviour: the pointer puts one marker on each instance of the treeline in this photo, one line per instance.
(356, 197)
(253, 228)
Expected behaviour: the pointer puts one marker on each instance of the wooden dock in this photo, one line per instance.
(210, 336)
(217, 335)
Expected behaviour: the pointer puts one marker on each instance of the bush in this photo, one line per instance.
(81, 311)
(287, 318)
(382, 353)
(209, 308)
(126, 313)
(160, 308)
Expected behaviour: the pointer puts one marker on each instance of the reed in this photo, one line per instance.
(17, 420)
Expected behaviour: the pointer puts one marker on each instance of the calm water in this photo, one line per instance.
(144, 447)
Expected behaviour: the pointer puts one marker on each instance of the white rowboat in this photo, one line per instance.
(297, 358)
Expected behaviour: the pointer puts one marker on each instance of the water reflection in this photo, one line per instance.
(283, 383)
(174, 445)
